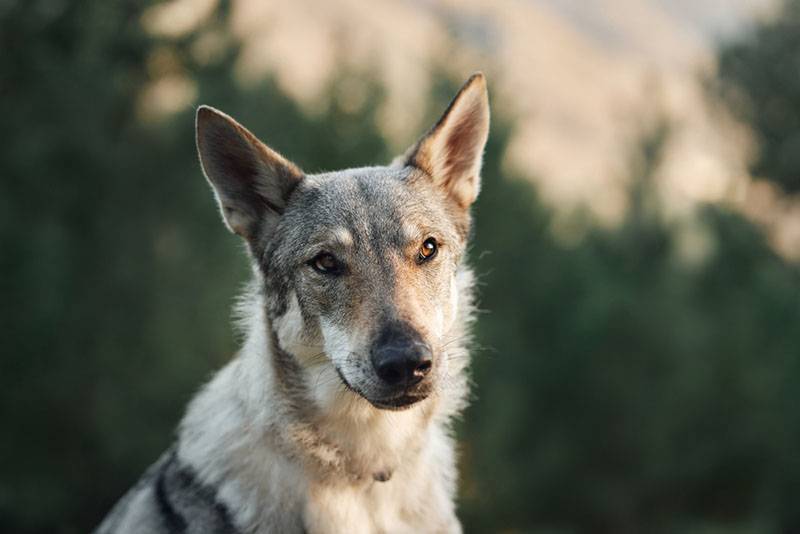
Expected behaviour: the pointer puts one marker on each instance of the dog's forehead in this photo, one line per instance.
(362, 203)
(357, 189)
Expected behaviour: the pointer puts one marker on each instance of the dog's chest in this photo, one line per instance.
(404, 484)
(415, 498)
(377, 507)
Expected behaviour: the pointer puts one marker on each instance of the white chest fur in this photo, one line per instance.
(230, 436)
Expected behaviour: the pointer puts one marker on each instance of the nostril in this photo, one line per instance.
(423, 368)
(404, 370)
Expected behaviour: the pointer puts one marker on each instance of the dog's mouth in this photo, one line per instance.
(404, 400)
(397, 403)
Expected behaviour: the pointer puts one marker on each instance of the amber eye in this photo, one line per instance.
(427, 250)
(326, 263)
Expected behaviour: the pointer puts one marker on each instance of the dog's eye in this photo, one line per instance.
(427, 250)
(326, 263)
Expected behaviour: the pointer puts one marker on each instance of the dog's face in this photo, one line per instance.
(369, 257)
(359, 266)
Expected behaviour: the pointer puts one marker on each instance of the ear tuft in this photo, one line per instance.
(451, 152)
(251, 181)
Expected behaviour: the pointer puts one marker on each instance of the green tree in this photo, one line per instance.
(619, 388)
(624, 390)
(758, 78)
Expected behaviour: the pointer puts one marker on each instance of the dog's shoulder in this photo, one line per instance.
(169, 498)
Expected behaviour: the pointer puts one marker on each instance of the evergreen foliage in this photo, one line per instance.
(620, 387)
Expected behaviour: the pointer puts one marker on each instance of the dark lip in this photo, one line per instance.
(401, 402)
(397, 403)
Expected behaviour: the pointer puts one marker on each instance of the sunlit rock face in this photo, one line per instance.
(584, 79)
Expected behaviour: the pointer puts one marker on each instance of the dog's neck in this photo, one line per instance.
(300, 407)
(269, 398)
(338, 434)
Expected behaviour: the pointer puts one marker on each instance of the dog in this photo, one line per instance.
(335, 415)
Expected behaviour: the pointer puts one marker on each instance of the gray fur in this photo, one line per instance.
(298, 433)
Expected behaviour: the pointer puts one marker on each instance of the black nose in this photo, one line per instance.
(400, 357)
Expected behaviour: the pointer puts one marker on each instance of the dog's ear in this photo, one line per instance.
(452, 151)
(251, 181)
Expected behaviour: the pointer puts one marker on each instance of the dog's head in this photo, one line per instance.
(359, 266)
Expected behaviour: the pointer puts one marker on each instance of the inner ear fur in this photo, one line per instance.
(451, 153)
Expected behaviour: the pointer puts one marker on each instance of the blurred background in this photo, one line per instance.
(637, 362)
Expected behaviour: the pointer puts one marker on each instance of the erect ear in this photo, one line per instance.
(451, 152)
(251, 181)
